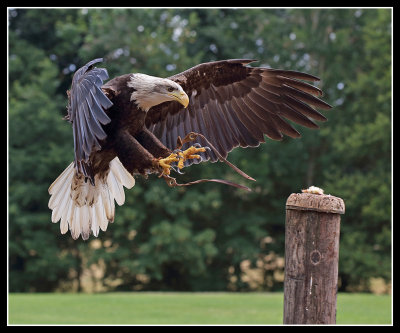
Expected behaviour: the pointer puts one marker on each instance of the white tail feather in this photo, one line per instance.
(84, 208)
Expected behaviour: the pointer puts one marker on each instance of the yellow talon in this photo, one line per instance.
(181, 157)
(165, 163)
(181, 160)
(189, 153)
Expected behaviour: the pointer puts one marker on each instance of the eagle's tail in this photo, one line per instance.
(84, 208)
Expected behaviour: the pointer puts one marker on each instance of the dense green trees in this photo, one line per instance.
(206, 237)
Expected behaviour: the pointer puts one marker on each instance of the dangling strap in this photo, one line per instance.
(172, 182)
(191, 137)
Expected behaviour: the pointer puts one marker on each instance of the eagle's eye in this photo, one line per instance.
(170, 89)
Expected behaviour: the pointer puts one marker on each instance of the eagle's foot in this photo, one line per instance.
(165, 163)
(190, 153)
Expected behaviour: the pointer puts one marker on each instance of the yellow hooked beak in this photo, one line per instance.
(181, 97)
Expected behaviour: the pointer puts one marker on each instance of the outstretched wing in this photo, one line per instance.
(87, 103)
(235, 105)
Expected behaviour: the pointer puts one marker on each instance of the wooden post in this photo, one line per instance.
(311, 258)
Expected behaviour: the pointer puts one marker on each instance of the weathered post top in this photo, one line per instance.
(325, 203)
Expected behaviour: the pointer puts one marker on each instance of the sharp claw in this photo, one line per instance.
(166, 163)
(176, 169)
(173, 167)
(197, 145)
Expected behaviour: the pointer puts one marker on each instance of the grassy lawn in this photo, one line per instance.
(181, 308)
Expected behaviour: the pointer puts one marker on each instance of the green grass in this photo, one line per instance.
(181, 308)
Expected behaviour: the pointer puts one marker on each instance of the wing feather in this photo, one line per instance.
(86, 111)
(233, 105)
(230, 131)
(216, 123)
(247, 139)
(226, 134)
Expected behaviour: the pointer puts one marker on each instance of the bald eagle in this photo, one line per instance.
(131, 125)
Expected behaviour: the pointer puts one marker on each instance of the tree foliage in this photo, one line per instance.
(205, 237)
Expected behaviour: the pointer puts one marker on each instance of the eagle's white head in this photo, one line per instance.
(151, 91)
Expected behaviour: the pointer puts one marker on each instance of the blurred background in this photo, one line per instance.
(207, 237)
